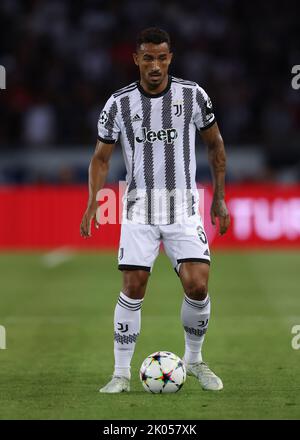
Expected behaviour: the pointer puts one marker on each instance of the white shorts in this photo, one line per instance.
(139, 244)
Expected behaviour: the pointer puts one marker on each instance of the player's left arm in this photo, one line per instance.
(217, 160)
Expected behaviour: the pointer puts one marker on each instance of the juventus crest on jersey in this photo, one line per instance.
(157, 134)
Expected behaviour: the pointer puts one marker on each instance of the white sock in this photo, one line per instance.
(194, 316)
(127, 326)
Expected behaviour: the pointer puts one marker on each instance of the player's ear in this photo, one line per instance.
(135, 59)
(170, 57)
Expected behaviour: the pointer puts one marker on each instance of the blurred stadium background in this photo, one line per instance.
(63, 59)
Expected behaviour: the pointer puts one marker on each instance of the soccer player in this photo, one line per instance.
(155, 119)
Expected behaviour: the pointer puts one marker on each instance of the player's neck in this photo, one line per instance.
(155, 90)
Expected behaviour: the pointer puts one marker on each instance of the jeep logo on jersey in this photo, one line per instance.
(168, 135)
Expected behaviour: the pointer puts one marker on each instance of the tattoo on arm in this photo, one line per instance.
(217, 157)
(217, 160)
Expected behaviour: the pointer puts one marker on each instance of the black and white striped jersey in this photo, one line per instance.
(157, 134)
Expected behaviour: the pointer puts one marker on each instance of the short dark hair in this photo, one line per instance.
(153, 35)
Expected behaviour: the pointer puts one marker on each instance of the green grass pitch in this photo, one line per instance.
(58, 323)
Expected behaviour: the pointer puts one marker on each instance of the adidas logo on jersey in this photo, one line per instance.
(168, 135)
(136, 118)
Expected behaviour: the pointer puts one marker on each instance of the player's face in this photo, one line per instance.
(153, 61)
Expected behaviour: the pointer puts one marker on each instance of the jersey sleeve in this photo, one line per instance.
(204, 116)
(108, 127)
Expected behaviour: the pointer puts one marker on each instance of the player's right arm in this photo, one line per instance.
(108, 134)
(98, 170)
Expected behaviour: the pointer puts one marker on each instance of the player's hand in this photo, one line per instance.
(219, 209)
(86, 222)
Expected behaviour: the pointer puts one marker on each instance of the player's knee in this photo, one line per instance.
(134, 284)
(197, 290)
(134, 290)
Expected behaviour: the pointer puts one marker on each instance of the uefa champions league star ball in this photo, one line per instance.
(162, 372)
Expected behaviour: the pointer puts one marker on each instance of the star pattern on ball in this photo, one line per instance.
(179, 365)
(166, 378)
(144, 379)
(157, 357)
(144, 376)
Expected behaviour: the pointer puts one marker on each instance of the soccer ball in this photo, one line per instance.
(162, 372)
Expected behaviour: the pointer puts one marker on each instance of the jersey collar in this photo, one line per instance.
(158, 95)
